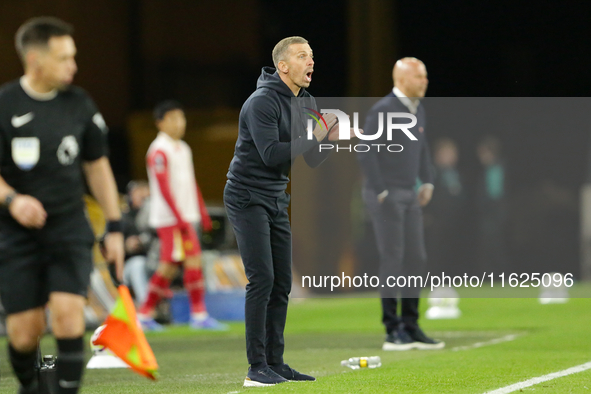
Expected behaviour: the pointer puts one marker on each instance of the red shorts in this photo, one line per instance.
(176, 246)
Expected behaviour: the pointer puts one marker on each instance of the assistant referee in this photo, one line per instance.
(51, 135)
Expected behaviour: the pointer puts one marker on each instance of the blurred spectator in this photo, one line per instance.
(2, 319)
(491, 207)
(138, 240)
(443, 227)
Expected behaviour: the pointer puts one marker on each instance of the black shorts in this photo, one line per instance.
(35, 263)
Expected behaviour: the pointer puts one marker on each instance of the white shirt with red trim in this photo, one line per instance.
(171, 173)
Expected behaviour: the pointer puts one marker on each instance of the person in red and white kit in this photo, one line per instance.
(176, 208)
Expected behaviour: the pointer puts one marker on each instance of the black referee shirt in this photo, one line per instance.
(43, 144)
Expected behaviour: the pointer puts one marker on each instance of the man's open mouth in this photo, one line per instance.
(309, 76)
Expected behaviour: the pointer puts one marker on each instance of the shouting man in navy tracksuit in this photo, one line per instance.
(269, 140)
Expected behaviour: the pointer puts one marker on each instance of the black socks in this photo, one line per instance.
(23, 365)
(70, 365)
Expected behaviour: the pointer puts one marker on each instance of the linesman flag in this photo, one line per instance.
(124, 337)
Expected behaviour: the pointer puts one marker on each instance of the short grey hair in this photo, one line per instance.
(282, 47)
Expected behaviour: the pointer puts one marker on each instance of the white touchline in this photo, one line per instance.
(540, 379)
(494, 341)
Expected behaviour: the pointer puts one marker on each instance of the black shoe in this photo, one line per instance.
(398, 340)
(291, 374)
(422, 341)
(262, 377)
(32, 389)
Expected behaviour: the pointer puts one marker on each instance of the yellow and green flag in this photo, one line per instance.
(125, 338)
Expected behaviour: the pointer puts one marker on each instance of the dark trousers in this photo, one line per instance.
(263, 234)
(398, 228)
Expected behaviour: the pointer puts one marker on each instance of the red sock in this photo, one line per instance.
(156, 290)
(194, 285)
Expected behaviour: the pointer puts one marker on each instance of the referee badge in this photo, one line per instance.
(25, 152)
(99, 121)
(68, 150)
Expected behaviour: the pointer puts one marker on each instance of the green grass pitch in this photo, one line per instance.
(322, 332)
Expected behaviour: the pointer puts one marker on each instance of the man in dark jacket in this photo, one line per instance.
(138, 240)
(444, 223)
(269, 140)
(394, 206)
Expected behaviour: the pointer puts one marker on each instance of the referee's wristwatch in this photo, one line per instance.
(8, 199)
(114, 226)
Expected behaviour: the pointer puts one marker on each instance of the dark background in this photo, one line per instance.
(209, 54)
